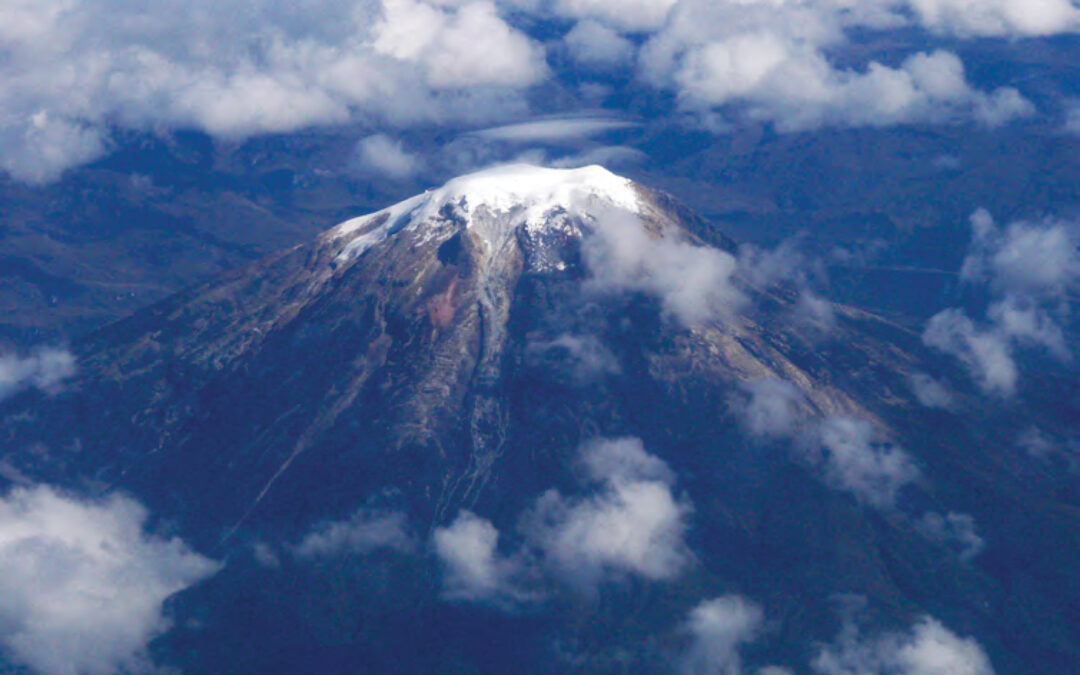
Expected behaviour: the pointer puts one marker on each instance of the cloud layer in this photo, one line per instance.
(83, 584)
(75, 70)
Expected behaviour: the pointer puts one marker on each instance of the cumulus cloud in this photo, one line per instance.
(693, 283)
(44, 369)
(594, 45)
(770, 61)
(83, 583)
(998, 17)
(73, 69)
(466, 47)
(367, 530)
(769, 407)
(623, 459)
(473, 568)
(719, 628)
(633, 524)
(930, 392)
(987, 354)
(955, 531)
(928, 648)
(1030, 259)
(1029, 269)
(850, 458)
(381, 155)
(628, 15)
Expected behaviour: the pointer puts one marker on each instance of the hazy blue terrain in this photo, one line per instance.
(815, 408)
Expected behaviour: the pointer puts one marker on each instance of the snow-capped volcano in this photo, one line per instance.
(453, 353)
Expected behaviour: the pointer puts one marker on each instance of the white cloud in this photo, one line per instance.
(929, 392)
(763, 268)
(594, 45)
(74, 68)
(769, 407)
(953, 530)
(623, 459)
(585, 356)
(796, 88)
(998, 17)
(720, 627)
(1029, 259)
(770, 60)
(693, 283)
(1036, 443)
(634, 524)
(813, 311)
(381, 155)
(473, 568)
(846, 452)
(1030, 269)
(367, 530)
(627, 15)
(469, 47)
(44, 369)
(1043, 446)
(1072, 116)
(554, 130)
(83, 584)
(929, 648)
(786, 264)
(986, 353)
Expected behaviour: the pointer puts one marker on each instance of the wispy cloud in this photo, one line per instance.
(44, 369)
(366, 530)
(554, 130)
(1029, 269)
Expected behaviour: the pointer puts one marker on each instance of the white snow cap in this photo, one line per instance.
(530, 192)
(537, 189)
